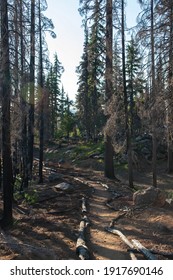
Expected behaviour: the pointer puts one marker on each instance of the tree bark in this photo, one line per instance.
(23, 98)
(31, 89)
(153, 97)
(41, 123)
(128, 131)
(6, 137)
(108, 161)
(170, 95)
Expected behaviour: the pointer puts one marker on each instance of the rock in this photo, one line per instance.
(150, 196)
(169, 201)
(54, 177)
(97, 156)
(64, 187)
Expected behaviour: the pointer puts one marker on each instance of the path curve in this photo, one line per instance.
(104, 245)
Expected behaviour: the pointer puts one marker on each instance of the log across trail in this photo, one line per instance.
(103, 245)
(105, 238)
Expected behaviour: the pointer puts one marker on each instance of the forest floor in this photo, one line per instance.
(48, 228)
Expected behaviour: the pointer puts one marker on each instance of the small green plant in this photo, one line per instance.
(31, 197)
(17, 184)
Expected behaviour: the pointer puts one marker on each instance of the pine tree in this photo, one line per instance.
(148, 36)
(53, 86)
(91, 69)
(135, 84)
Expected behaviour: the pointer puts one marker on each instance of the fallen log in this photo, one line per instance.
(84, 209)
(103, 185)
(169, 255)
(121, 235)
(81, 248)
(132, 255)
(124, 239)
(144, 250)
(20, 210)
(81, 181)
(116, 219)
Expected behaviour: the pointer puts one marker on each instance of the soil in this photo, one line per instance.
(49, 228)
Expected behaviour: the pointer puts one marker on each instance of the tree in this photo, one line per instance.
(96, 49)
(153, 89)
(7, 218)
(169, 11)
(31, 90)
(82, 97)
(67, 119)
(148, 34)
(135, 84)
(53, 86)
(108, 163)
(41, 94)
(127, 124)
(91, 69)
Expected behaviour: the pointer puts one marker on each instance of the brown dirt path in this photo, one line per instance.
(105, 246)
(52, 226)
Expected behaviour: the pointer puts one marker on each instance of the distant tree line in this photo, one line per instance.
(126, 77)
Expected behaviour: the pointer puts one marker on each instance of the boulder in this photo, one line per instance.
(150, 196)
(64, 187)
(170, 201)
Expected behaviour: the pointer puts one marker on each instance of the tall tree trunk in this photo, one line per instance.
(41, 127)
(15, 146)
(170, 97)
(128, 130)
(24, 142)
(109, 164)
(32, 89)
(153, 97)
(6, 138)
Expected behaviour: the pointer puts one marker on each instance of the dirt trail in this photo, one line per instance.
(52, 226)
(105, 246)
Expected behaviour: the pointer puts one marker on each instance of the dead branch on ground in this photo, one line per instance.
(124, 239)
(144, 250)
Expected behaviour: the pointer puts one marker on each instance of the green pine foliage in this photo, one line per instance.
(91, 70)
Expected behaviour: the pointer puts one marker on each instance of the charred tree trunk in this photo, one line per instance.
(127, 126)
(41, 84)
(7, 218)
(32, 89)
(109, 164)
(23, 105)
(153, 93)
(170, 97)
